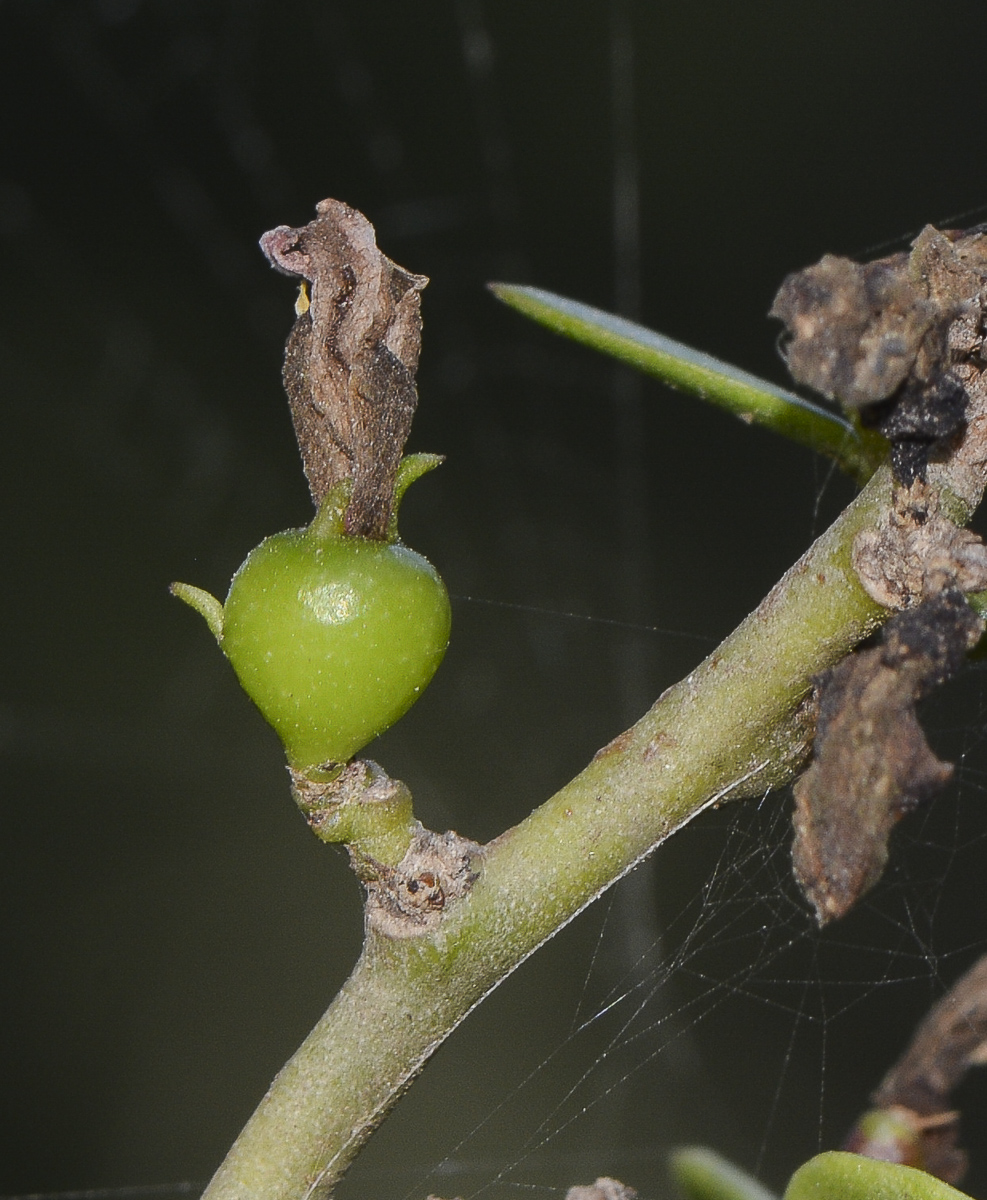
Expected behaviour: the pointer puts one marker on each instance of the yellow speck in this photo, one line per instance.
(303, 302)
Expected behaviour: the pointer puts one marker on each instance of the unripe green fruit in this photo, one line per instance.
(334, 637)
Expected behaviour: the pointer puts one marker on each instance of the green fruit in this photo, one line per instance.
(333, 637)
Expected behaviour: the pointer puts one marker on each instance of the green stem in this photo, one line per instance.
(858, 452)
(732, 728)
(361, 808)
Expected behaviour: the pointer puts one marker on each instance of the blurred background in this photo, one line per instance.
(170, 929)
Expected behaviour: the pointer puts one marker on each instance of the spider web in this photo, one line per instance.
(742, 999)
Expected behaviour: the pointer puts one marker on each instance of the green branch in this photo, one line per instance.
(754, 400)
(732, 728)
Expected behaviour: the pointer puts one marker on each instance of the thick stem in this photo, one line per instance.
(733, 727)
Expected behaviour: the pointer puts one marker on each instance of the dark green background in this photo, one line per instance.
(170, 929)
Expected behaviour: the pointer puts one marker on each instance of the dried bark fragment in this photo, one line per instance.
(604, 1189)
(871, 761)
(408, 900)
(877, 338)
(915, 1093)
(350, 359)
(916, 551)
(855, 329)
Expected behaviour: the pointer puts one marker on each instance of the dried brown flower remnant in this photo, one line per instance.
(350, 359)
(871, 761)
(877, 338)
(913, 1100)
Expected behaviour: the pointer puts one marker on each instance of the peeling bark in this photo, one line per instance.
(877, 338)
(409, 900)
(872, 764)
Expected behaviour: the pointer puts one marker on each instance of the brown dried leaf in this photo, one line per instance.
(871, 761)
